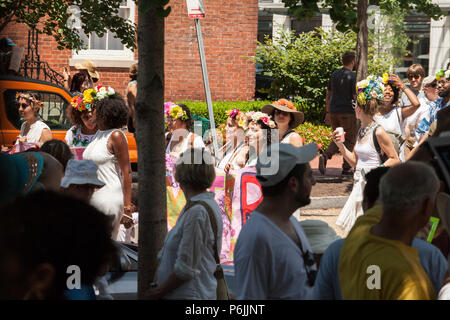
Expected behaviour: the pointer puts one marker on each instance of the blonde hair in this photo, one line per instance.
(371, 107)
(195, 169)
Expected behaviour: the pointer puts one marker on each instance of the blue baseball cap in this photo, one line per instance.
(18, 174)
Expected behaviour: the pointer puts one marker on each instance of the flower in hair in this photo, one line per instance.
(370, 88)
(285, 102)
(176, 112)
(256, 116)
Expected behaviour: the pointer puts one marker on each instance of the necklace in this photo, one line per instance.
(364, 131)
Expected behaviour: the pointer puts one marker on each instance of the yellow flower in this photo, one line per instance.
(385, 78)
(87, 96)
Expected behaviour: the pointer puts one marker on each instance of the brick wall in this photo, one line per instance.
(229, 34)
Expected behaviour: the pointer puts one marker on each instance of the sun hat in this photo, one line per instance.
(320, 235)
(18, 174)
(287, 157)
(90, 67)
(286, 106)
(428, 80)
(81, 172)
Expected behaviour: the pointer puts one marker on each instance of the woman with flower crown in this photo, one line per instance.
(287, 118)
(109, 150)
(364, 156)
(235, 136)
(33, 130)
(259, 137)
(180, 136)
(84, 128)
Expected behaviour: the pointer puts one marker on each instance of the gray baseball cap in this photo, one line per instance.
(287, 156)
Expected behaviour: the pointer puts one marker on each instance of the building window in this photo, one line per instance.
(107, 47)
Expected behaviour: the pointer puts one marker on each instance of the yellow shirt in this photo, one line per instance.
(375, 268)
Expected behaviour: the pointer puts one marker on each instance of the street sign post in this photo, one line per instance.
(196, 10)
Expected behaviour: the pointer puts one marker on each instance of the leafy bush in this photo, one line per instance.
(301, 65)
(319, 134)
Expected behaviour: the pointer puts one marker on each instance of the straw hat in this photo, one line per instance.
(90, 67)
(286, 106)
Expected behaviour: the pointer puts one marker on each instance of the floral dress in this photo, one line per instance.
(78, 141)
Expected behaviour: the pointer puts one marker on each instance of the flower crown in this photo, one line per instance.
(285, 102)
(29, 97)
(370, 88)
(443, 74)
(265, 118)
(175, 111)
(85, 101)
(239, 116)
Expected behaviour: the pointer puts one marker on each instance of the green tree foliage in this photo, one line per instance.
(344, 12)
(51, 17)
(301, 66)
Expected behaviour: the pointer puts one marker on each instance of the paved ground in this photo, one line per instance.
(327, 215)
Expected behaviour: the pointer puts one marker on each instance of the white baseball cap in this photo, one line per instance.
(288, 157)
(81, 172)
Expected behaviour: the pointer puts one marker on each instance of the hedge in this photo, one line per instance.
(310, 132)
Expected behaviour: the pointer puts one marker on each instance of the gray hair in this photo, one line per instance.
(195, 168)
(407, 186)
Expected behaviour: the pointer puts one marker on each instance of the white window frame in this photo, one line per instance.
(104, 58)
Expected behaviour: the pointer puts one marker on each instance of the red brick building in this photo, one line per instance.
(229, 34)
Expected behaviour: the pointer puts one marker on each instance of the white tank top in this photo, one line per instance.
(366, 152)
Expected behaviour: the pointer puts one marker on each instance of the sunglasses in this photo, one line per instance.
(415, 76)
(433, 85)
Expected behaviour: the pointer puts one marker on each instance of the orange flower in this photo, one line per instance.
(287, 103)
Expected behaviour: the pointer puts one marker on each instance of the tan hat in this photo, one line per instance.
(428, 80)
(90, 67)
(286, 106)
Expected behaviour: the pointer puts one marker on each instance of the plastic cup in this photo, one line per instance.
(341, 133)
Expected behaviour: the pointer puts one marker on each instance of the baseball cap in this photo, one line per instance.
(18, 174)
(428, 80)
(7, 41)
(81, 172)
(287, 156)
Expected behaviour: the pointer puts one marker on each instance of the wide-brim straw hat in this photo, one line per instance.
(298, 115)
(90, 67)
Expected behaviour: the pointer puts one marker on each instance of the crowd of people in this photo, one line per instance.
(385, 127)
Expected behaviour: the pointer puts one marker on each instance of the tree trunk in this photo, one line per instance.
(362, 41)
(150, 144)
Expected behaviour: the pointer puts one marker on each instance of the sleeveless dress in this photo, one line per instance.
(229, 157)
(368, 159)
(392, 121)
(78, 141)
(109, 198)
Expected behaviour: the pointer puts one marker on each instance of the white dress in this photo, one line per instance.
(109, 198)
(35, 132)
(393, 121)
(229, 157)
(197, 143)
(368, 159)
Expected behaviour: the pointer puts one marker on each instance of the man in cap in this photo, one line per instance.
(443, 86)
(272, 258)
(6, 46)
(426, 95)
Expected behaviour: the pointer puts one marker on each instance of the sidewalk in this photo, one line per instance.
(334, 167)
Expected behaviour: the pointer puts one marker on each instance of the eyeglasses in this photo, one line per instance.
(433, 85)
(415, 76)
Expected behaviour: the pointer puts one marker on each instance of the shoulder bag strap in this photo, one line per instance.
(213, 222)
(377, 145)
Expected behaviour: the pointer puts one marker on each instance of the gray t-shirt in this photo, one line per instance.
(404, 100)
(343, 87)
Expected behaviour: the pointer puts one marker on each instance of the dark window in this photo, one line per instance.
(53, 113)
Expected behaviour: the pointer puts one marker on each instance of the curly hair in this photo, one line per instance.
(112, 112)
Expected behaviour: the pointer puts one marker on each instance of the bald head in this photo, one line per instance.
(52, 172)
(406, 187)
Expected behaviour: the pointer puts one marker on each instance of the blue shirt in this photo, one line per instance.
(327, 285)
(435, 106)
